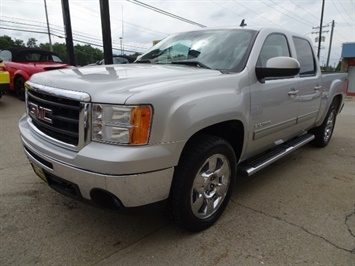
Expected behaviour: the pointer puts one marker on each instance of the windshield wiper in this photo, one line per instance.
(143, 61)
(191, 63)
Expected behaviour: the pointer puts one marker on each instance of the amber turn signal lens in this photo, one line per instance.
(140, 121)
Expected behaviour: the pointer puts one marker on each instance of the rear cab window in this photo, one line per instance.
(305, 57)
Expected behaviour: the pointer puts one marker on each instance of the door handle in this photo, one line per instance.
(292, 92)
(317, 88)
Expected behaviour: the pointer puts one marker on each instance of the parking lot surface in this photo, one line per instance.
(298, 211)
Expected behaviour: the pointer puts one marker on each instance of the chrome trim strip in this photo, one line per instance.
(67, 94)
(260, 133)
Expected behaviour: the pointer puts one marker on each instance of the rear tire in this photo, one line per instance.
(20, 88)
(324, 132)
(203, 182)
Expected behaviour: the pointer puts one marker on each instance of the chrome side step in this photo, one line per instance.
(253, 165)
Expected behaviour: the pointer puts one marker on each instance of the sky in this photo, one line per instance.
(139, 26)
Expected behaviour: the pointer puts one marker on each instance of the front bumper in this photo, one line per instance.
(4, 82)
(134, 187)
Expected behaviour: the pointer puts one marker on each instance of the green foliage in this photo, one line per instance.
(59, 48)
(6, 42)
(84, 54)
(19, 42)
(334, 68)
(32, 42)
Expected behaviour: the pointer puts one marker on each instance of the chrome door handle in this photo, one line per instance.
(292, 92)
(317, 88)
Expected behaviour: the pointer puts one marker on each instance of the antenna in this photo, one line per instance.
(242, 24)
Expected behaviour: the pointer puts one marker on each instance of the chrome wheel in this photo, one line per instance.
(329, 127)
(203, 182)
(210, 186)
(324, 132)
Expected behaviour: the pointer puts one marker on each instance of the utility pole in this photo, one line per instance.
(320, 30)
(106, 31)
(122, 50)
(49, 32)
(68, 32)
(330, 43)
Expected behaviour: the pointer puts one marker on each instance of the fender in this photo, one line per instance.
(332, 88)
(196, 105)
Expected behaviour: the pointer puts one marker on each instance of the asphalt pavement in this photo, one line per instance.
(298, 211)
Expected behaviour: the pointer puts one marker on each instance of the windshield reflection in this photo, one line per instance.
(215, 49)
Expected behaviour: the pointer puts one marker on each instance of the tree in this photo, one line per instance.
(32, 42)
(59, 48)
(19, 42)
(86, 54)
(6, 42)
(338, 67)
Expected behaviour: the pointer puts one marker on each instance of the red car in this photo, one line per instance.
(23, 62)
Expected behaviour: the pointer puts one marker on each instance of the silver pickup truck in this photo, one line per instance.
(178, 125)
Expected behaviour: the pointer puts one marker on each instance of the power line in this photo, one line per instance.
(300, 7)
(229, 10)
(155, 9)
(131, 25)
(345, 20)
(340, 2)
(301, 21)
(76, 40)
(28, 27)
(255, 13)
(60, 30)
(27, 30)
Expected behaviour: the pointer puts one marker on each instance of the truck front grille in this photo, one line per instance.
(58, 115)
(61, 120)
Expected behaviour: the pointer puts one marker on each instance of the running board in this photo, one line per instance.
(253, 165)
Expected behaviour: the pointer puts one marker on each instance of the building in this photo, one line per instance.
(348, 65)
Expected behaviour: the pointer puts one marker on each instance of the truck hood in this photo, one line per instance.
(116, 83)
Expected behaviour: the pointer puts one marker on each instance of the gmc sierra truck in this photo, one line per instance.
(178, 125)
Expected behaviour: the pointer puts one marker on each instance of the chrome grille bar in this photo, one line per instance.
(60, 116)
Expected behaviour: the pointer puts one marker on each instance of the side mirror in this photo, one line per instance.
(278, 67)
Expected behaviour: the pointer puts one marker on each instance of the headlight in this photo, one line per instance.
(121, 124)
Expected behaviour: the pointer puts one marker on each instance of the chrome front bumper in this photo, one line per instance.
(148, 182)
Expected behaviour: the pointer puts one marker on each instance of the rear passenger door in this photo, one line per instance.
(309, 84)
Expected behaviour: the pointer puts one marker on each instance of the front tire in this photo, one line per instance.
(20, 88)
(324, 132)
(203, 182)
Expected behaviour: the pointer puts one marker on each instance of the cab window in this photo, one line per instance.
(275, 45)
(305, 57)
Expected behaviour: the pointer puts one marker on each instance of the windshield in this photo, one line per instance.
(215, 49)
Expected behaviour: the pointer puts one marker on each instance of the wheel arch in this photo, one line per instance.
(337, 102)
(232, 131)
(19, 74)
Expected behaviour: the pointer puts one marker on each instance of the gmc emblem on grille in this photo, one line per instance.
(40, 112)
